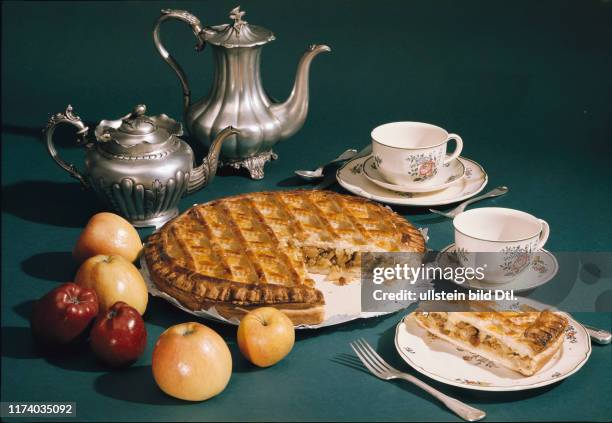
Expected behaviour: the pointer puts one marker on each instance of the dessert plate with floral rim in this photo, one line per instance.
(542, 269)
(448, 174)
(351, 177)
(452, 365)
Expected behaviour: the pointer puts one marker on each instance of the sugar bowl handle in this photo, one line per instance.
(196, 27)
(71, 118)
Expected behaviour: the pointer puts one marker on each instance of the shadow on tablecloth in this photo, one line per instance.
(52, 203)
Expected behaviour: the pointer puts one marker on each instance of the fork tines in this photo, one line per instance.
(370, 358)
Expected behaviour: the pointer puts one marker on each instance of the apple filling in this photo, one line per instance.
(472, 335)
(340, 265)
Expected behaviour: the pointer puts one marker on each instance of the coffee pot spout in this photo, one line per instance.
(203, 174)
(292, 113)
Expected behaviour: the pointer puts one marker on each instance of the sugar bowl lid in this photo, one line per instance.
(137, 133)
(237, 34)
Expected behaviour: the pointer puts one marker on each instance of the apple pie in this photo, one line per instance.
(261, 249)
(521, 341)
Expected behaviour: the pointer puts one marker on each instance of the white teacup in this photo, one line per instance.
(411, 153)
(500, 240)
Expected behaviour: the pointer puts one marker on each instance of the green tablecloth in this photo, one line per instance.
(526, 84)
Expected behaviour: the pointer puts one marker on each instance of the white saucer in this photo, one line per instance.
(543, 268)
(351, 177)
(448, 174)
(448, 364)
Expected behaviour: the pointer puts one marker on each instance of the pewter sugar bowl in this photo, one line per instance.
(137, 164)
(237, 97)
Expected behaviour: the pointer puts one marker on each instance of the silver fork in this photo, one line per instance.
(461, 207)
(381, 369)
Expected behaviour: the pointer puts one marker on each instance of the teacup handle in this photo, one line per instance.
(458, 149)
(544, 234)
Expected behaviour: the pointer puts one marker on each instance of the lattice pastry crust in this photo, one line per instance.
(258, 249)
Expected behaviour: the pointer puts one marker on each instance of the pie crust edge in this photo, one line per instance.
(303, 304)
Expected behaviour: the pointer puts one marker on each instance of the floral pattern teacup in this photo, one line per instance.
(501, 241)
(412, 153)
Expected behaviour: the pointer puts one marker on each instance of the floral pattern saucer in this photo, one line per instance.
(448, 174)
(541, 269)
(352, 178)
(446, 363)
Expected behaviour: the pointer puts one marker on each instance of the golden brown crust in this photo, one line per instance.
(521, 341)
(244, 251)
(545, 330)
(196, 290)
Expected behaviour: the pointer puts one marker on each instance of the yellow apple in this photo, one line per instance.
(191, 362)
(114, 279)
(265, 336)
(107, 233)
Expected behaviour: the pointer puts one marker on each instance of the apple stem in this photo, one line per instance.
(261, 319)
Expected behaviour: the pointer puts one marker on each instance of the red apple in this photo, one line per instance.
(63, 314)
(265, 336)
(118, 336)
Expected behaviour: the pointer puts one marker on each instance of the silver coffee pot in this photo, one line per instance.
(137, 164)
(237, 97)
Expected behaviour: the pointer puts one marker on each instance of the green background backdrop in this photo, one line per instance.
(526, 84)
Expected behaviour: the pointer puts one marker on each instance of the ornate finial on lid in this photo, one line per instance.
(137, 129)
(139, 110)
(237, 34)
(136, 122)
(236, 15)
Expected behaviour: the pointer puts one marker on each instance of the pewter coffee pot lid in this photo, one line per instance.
(137, 133)
(237, 34)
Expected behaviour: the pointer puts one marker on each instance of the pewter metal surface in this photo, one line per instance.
(237, 97)
(137, 165)
(253, 164)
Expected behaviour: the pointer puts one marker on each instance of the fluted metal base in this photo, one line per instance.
(156, 221)
(254, 164)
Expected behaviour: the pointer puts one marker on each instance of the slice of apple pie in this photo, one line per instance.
(521, 341)
(262, 248)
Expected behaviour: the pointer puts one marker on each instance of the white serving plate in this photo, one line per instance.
(448, 364)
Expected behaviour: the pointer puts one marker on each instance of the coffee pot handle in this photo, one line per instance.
(71, 118)
(196, 27)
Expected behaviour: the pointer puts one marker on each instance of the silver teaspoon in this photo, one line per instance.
(309, 175)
